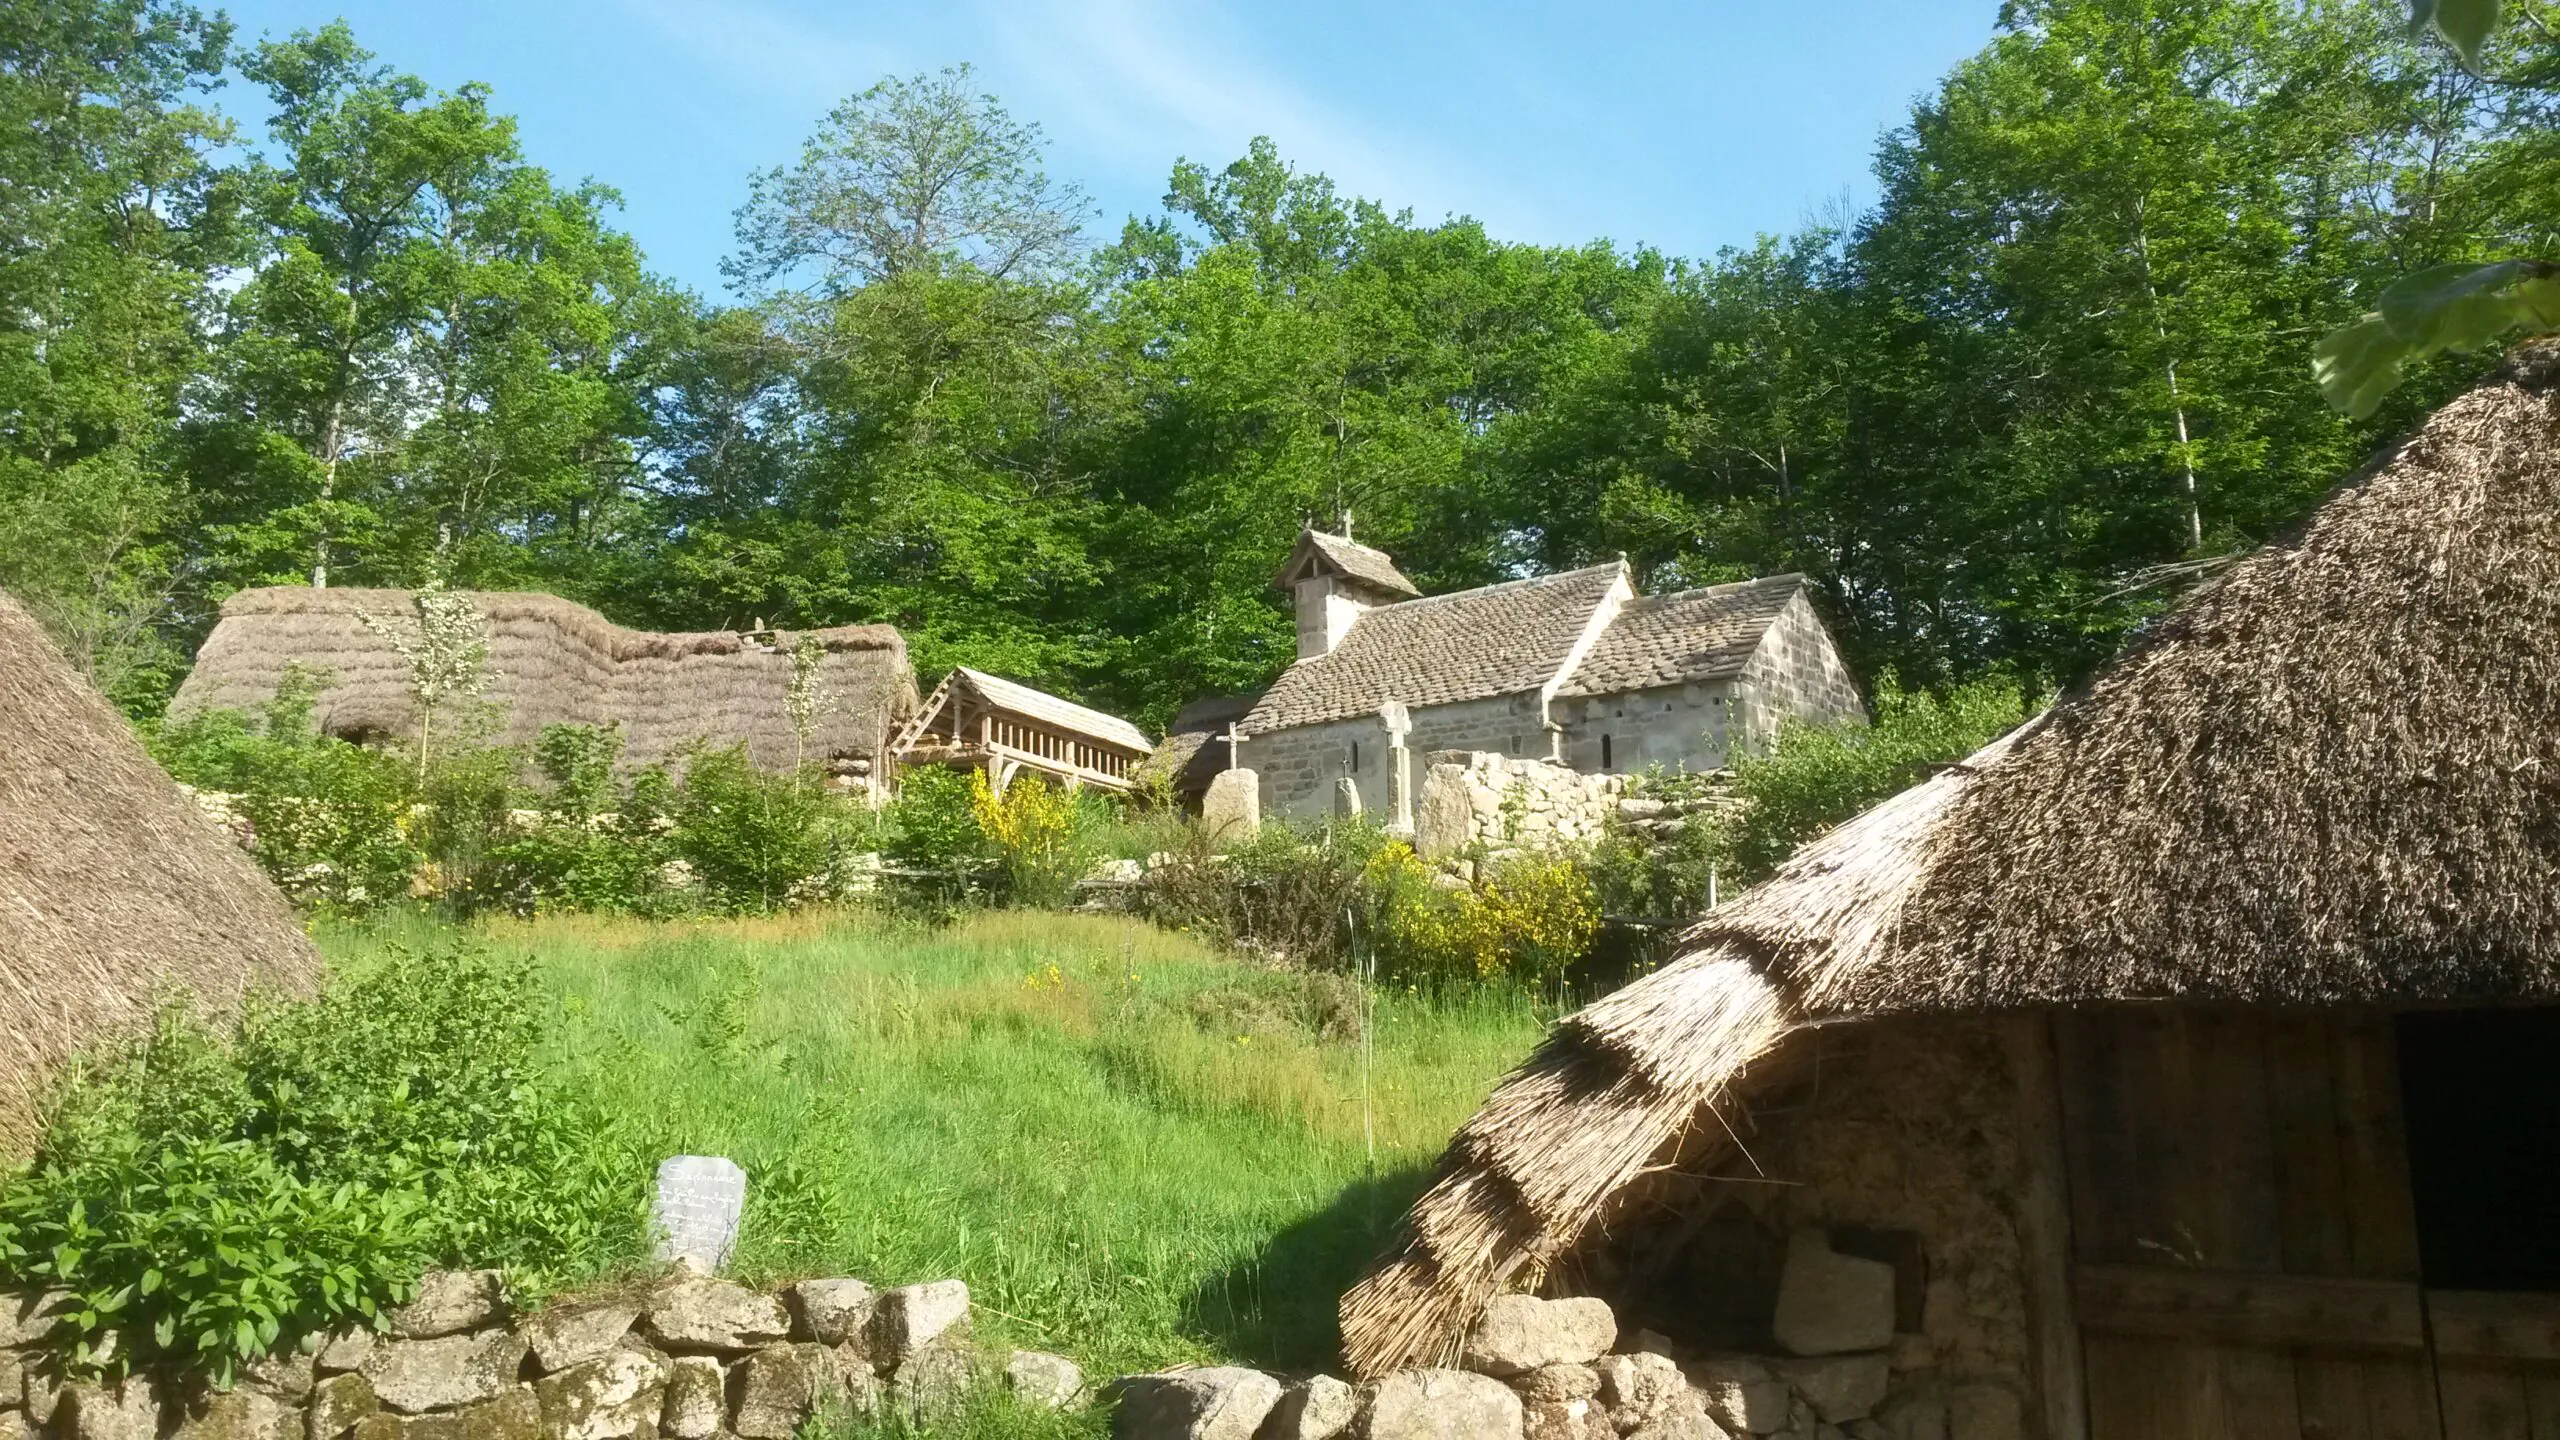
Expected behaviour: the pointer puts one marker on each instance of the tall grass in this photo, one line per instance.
(1135, 1151)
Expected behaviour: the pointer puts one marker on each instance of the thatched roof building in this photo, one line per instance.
(2131, 1023)
(1195, 747)
(114, 890)
(551, 662)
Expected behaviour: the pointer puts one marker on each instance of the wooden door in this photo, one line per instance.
(2245, 1253)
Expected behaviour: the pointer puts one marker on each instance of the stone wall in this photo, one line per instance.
(686, 1358)
(1879, 1230)
(1502, 802)
(1677, 727)
(1299, 767)
(1797, 672)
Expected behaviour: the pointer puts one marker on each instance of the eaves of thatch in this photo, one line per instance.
(552, 661)
(116, 893)
(2329, 776)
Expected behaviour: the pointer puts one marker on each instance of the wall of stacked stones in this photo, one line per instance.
(687, 1358)
(1502, 802)
(1298, 767)
(1677, 727)
(1798, 672)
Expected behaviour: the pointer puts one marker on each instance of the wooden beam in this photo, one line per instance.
(2250, 1308)
(2044, 1232)
(2486, 1325)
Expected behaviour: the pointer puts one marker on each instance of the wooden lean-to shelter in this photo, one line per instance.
(2192, 1055)
(977, 721)
(552, 662)
(116, 893)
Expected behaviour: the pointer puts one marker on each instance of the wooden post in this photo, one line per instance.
(2061, 1411)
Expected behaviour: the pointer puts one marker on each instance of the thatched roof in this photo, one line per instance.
(2328, 776)
(552, 661)
(115, 891)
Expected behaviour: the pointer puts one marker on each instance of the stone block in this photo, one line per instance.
(1639, 1389)
(1043, 1380)
(1231, 811)
(337, 1403)
(241, 1414)
(562, 1338)
(28, 1316)
(1554, 1384)
(1985, 1412)
(450, 1302)
(1346, 798)
(1443, 1405)
(1218, 1402)
(1565, 1420)
(773, 1390)
(1519, 1333)
(1740, 1394)
(934, 1378)
(703, 1314)
(699, 1201)
(697, 1399)
(832, 1312)
(125, 1410)
(445, 1373)
(1840, 1388)
(13, 1425)
(614, 1395)
(286, 1377)
(1830, 1303)
(1681, 1417)
(1319, 1408)
(345, 1351)
(1444, 822)
(510, 1415)
(913, 1317)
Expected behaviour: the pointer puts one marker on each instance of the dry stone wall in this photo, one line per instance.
(1499, 802)
(686, 1358)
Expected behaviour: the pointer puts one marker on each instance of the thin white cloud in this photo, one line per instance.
(772, 58)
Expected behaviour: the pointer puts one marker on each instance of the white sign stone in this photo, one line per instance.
(700, 1201)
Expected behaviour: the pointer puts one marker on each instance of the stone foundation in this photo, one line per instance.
(686, 1358)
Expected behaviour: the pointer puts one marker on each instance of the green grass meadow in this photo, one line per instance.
(1137, 1151)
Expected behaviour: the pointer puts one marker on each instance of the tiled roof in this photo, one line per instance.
(1473, 645)
(1065, 714)
(1691, 635)
(1369, 567)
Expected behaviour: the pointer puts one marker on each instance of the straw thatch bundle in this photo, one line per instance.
(115, 891)
(2330, 775)
(552, 661)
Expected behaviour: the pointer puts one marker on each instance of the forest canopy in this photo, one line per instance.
(2057, 369)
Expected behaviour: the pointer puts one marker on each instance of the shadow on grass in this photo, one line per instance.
(1275, 1310)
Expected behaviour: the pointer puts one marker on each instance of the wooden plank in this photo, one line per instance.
(2542, 1403)
(2141, 1388)
(2250, 1307)
(2254, 1391)
(2310, 1175)
(2103, 1066)
(2224, 1201)
(2488, 1325)
(2382, 1218)
(2044, 1232)
(2330, 1392)
(2483, 1402)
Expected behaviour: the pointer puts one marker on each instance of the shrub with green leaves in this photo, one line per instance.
(1819, 775)
(330, 822)
(755, 841)
(206, 1197)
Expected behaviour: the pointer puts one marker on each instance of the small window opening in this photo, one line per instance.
(2481, 1098)
(1607, 759)
(1355, 754)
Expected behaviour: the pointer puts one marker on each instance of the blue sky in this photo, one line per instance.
(1683, 126)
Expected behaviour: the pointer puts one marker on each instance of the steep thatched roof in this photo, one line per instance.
(114, 889)
(2328, 776)
(555, 662)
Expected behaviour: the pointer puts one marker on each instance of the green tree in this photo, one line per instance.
(112, 217)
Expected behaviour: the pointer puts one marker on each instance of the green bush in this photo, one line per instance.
(592, 844)
(329, 821)
(206, 1198)
(755, 841)
(1819, 775)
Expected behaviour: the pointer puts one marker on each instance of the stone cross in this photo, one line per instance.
(1399, 723)
(700, 1200)
(1235, 740)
